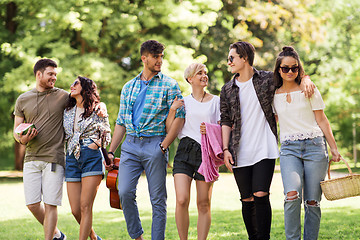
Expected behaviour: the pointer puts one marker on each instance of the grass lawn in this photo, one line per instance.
(340, 219)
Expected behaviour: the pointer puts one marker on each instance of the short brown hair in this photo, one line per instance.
(44, 63)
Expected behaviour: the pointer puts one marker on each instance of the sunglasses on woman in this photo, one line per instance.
(287, 69)
(75, 83)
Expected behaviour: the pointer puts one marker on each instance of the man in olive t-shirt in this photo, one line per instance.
(45, 157)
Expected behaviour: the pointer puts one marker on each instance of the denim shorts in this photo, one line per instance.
(188, 158)
(88, 164)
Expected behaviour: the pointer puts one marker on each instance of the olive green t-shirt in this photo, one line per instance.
(45, 110)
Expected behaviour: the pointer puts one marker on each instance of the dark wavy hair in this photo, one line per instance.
(245, 50)
(287, 51)
(89, 94)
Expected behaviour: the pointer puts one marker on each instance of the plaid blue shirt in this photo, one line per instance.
(161, 92)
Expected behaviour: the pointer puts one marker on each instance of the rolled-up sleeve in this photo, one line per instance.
(225, 118)
(122, 109)
(175, 91)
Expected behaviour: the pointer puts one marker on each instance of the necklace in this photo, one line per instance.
(201, 98)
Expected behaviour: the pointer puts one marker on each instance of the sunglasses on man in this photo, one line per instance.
(231, 58)
(287, 69)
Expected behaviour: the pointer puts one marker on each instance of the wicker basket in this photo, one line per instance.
(343, 187)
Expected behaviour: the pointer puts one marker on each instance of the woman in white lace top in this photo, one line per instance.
(303, 155)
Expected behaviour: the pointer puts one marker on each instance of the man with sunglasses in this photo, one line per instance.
(144, 105)
(250, 136)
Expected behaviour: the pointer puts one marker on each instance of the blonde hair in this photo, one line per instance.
(193, 69)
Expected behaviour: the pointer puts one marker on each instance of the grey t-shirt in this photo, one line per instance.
(45, 110)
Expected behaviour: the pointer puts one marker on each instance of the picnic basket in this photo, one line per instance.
(343, 187)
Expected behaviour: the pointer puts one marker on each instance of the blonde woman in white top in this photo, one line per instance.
(200, 107)
(303, 155)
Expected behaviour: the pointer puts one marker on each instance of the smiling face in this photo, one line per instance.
(286, 63)
(199, 79)
(46, 80)
(75, 88)
(236, 63)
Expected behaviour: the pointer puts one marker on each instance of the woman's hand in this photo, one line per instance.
(228, 160)
(336, 157)
(203, 128)
(110, 166)
(177, 104)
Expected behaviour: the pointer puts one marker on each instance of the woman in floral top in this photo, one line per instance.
(84, 169)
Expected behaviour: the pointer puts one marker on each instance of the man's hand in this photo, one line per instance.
(228, 160)
(307, 86)
(102, 111)
(24, 139)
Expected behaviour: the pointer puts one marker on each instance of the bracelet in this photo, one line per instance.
(226, 149)
(111, 153)
(164, 150)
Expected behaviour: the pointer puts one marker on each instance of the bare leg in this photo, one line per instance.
(182, 190)
(38, 210)
(74, 194)
(89, 187)
(204, 192)
(50, 221)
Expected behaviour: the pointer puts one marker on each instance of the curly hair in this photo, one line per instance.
(89, 94)
(287, 51)
(152, 47)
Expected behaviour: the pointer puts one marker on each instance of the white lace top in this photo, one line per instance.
(297, 119)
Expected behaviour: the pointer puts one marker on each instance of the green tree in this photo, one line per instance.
(99, 39)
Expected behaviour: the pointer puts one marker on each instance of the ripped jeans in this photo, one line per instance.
(303, 165)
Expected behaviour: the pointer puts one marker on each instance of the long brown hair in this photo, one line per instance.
(287, 51)
(89, 94)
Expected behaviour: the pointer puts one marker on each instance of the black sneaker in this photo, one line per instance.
(62, 237)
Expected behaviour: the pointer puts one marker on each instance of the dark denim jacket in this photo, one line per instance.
(230, 105)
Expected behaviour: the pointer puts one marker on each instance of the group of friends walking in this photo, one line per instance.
(152, 114)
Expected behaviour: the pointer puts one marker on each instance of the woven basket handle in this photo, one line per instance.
(347, 165)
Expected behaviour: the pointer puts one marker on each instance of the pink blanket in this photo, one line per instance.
(212, 153)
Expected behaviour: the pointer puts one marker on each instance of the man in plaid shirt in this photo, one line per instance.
(144, 106)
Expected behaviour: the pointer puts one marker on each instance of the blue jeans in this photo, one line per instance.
(139, 154)
(303, 165)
